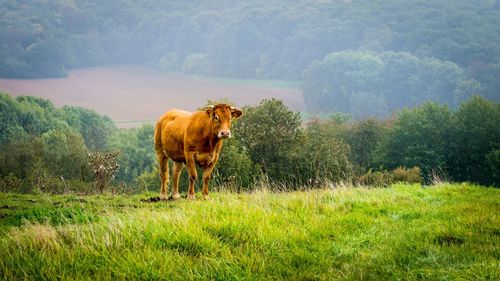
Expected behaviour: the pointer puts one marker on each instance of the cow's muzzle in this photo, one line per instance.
(224, 134)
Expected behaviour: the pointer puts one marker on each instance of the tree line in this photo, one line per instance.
(398, 50)
(376, 84)
(424, 144)
(49, 149)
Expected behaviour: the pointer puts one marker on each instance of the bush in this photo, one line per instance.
(421, 137)
(235, 170)
(401, 174)
(286, 153)
(476, 142)
(271, 135)
(378, 179)
(149, 180)
(11, 183)
(386, 178)
(137, 154)
(321, 157)
(104, 166)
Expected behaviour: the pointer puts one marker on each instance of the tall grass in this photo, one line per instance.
(447, 232)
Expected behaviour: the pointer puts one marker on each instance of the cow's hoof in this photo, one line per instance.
(191, 197)
(163, 197)
(176, 196)
(206, 197)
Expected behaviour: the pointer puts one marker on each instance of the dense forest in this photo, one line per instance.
(49, 149)
(362, 57)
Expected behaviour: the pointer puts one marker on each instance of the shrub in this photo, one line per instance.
(385, 178)
(11, 183)
(377, 178)
(104, 166)
(401, 174)
(271, 135)
(149, 180)
(321, 158)
(235, 170)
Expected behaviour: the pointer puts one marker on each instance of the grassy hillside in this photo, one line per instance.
(448, 232)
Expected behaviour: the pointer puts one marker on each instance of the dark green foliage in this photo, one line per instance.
(421, 137)
(322, 158)
(364, 138)
(45, 162)
(474, 155)
(459, 146)
(336, 83)
(235, 168)
(94, 128)
(286, 153)
(137, 154)
(148, 180)
(271, 133)
(43, 146)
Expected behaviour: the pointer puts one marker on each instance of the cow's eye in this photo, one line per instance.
(216, 118)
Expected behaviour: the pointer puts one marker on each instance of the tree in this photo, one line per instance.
(364, 138)
(333, 83)
(64, 153)
(47, 57)
(235, 169)
(37, 115)
(271, 133)
(94, 128)
(421, 137)
(136, 149)
(369, 84)
(9, 118)
(322, 157)
(476, 138)
(39, 147)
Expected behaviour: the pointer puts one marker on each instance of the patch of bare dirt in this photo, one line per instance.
(151, 199)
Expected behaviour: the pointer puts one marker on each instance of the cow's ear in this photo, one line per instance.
(236, 113)
(209, 110)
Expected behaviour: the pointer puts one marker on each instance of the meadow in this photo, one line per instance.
(410, 232)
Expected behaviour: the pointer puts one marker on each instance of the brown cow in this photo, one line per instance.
(189, 138)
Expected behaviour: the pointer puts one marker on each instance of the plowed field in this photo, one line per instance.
(133, 94)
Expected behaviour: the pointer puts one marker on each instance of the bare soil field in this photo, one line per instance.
(131, 95)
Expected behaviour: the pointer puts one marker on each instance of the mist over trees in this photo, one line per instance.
(351, 54)
(369, 84)
(427, 71)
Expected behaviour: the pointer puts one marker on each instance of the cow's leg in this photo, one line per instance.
(163, 161)
(193, 175)
(206, 178)
(207, 172)
(176, 172)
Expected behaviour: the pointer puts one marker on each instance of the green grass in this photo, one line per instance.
(445, 232)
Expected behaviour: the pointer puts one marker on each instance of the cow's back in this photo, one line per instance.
(169, 133)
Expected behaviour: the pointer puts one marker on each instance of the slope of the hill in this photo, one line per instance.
(444, 232)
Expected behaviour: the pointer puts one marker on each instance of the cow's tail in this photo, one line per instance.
(158, 127)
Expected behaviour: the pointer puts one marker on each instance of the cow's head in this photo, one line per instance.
(221, 116)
